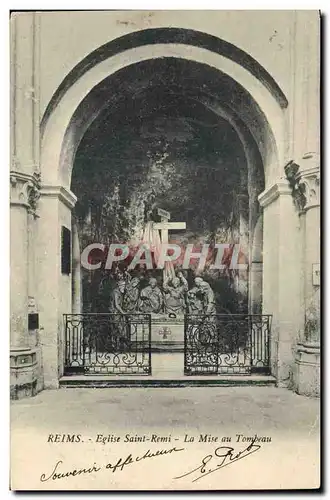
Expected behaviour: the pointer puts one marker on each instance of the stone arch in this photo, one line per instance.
(157, 36)
(260, 109)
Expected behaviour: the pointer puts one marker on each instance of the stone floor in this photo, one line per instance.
(290, 460)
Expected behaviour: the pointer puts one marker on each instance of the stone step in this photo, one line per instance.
(167, 371)
(102, 381)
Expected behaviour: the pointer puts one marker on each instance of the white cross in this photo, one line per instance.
(165, 226)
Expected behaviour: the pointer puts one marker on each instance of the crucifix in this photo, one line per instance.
(165, 226)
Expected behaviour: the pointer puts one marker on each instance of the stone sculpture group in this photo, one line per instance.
(173, 297)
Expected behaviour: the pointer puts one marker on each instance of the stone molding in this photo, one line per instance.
(165, 319)
(308, 347)
(307, 369)
(63, 194)
(270, 194)
(23, 372)
(304, 179)
(22, 357)
(25, 190)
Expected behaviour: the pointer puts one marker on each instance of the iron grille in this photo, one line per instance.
(110, 344)
(227, 344)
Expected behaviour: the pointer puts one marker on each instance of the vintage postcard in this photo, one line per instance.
(165, 250)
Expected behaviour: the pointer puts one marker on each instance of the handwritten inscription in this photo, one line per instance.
(117, 465)
(120, 464)
(220, 458)
(57, 474)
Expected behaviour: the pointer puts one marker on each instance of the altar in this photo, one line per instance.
(167, 333)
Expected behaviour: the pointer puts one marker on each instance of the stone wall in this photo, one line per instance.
(283, 46)
(266, 36)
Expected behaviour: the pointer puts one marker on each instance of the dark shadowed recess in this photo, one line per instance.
(155, 144)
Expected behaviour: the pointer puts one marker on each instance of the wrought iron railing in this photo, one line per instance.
(110, 344)
(227, 344)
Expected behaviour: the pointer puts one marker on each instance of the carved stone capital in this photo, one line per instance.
(25, 190)
(34, 194)
(304, 180)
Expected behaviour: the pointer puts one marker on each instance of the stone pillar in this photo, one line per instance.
(256, 268)
(32, 215)
(23, 359)
(76, 271)
(24, 196)
(305, 181)
(303, 173)
(242, 285)
(24, 178)
(19, 204)
(54, 287)
(25, 136)
(281, 276)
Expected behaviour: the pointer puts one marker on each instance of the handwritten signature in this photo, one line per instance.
(118, 465)
(226, 456)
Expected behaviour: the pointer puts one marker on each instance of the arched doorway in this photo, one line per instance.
(147, 148)
(231, 95)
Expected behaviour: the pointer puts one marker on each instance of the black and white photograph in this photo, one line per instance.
(165, 250)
